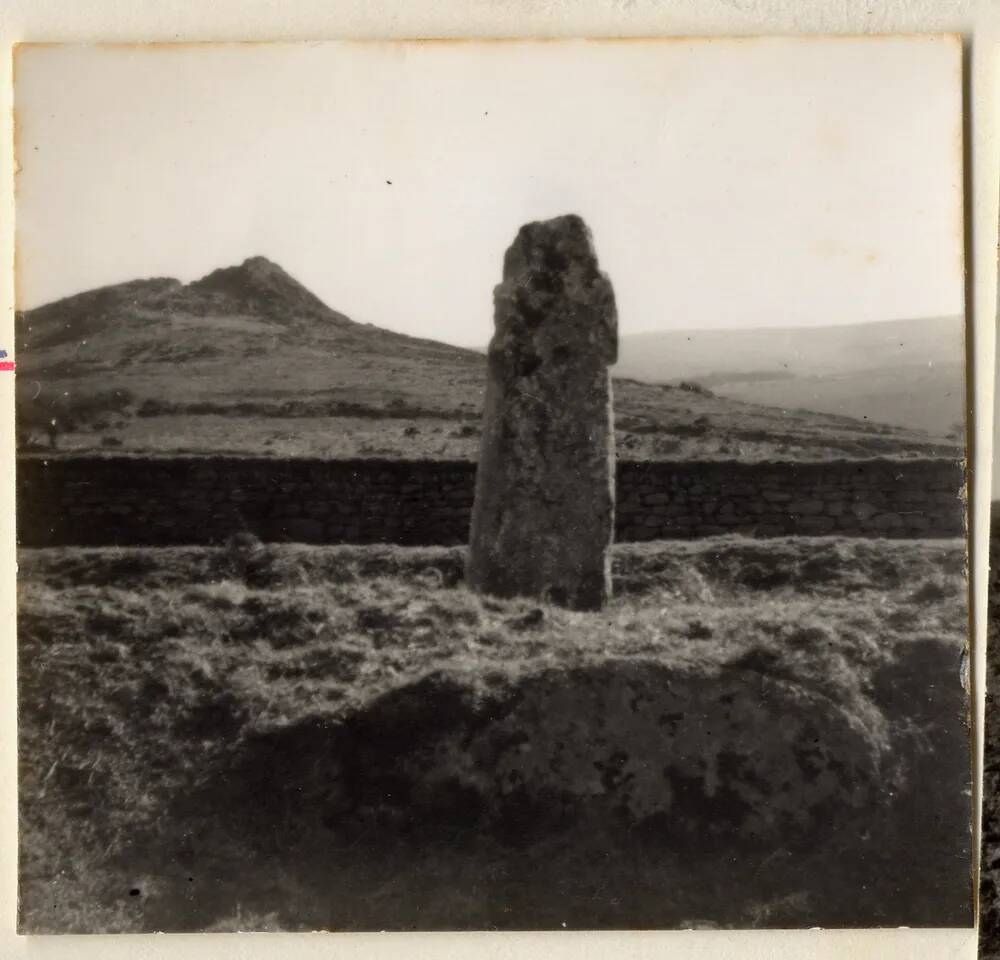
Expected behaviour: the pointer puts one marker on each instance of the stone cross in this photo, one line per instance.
(543, 517)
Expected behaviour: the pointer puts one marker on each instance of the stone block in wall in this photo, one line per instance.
(918, 522)
(806, 507)
(303, 530)
(945, 483)
(782, 520)
(771, 530)
(729, 520)
(710, 530)
(888, 521)
(815, 525)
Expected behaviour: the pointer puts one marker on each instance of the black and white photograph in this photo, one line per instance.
(492, 486)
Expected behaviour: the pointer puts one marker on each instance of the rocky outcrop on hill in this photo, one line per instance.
(262, 286)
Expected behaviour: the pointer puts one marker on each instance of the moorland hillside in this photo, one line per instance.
(247, 361)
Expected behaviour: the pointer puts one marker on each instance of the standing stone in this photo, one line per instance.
(543, 517)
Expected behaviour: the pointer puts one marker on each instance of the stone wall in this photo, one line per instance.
(66, 500)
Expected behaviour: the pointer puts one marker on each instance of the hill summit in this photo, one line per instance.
(259, 285)
(248, 361)
(255, 287)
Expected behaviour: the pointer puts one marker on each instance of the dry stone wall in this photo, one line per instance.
(68, 500)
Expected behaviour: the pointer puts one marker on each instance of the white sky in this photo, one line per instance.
(727, 183)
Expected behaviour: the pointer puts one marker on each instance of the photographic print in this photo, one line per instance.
(492, 486)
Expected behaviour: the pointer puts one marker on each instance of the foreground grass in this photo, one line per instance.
(160, 689)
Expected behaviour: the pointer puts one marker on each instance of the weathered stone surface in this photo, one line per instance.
(543, 517)
(677, 755)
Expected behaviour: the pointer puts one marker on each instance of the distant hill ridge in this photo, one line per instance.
(907, 372)
(248, 360)
(815, 349)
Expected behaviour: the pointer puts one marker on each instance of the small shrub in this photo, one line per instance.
(698, 630)
(431, 579)
(153, 408)
(667, 445)
(932, 590)
(693, 387)
(376, 620)
(697, 428)
(244, 557)
(531, 620)
(646, 428)
(757, 576)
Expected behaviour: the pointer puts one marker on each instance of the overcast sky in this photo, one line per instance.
(727, 183)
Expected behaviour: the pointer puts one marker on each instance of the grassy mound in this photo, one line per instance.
(344, 738)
